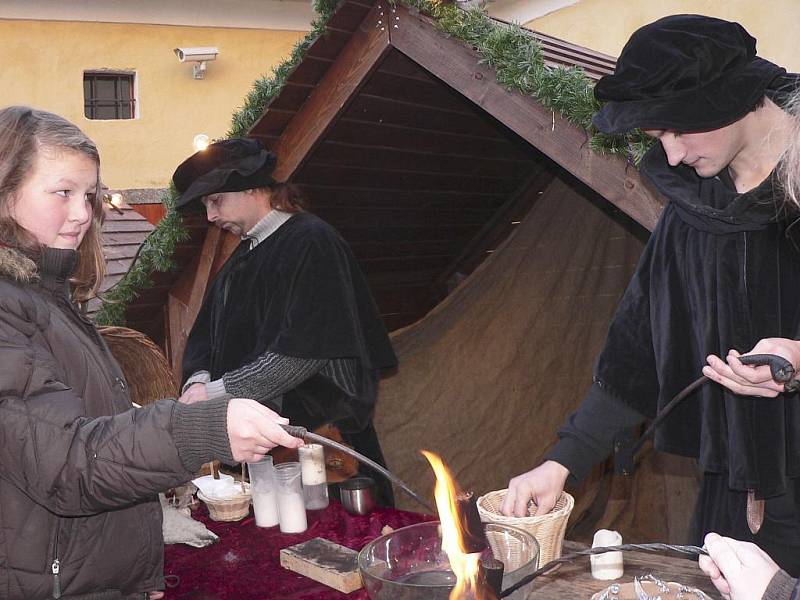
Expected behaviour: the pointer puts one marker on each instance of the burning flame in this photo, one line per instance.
(465, 566)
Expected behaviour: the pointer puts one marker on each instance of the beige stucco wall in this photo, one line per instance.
(43, 64)
(605, 25)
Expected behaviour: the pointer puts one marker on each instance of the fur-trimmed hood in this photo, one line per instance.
(16, 266)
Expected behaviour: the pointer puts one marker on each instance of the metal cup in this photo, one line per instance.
(357, 495)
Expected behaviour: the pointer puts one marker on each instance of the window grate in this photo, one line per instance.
(108, 95)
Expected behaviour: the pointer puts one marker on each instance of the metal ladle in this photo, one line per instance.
(304, 434)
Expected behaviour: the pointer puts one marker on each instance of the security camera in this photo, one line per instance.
(201, 53)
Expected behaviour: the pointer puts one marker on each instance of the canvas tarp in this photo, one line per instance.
(487, 377)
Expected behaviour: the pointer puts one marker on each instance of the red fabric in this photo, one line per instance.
(245, 563)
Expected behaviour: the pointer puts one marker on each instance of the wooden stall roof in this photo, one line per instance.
(123, 234)
(404, 141)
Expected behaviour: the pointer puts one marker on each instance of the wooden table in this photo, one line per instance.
(574, 580)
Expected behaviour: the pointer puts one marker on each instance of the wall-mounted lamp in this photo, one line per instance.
(200, 142)
(199, 56)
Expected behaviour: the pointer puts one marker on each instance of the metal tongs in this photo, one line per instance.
(781, 369)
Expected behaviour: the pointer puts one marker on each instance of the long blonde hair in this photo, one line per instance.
(24, 132)
(789, 167)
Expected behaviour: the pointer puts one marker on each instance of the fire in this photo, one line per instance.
(466, 567)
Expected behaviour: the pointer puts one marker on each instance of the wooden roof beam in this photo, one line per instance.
(362, 54)
(460, 67)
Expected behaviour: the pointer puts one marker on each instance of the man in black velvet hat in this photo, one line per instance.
(289, 320)
(718, 272)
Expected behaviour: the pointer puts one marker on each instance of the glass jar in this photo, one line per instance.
(291, 504)
(312, 469)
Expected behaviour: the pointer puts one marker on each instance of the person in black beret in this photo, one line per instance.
(289, 320)
(721, 270)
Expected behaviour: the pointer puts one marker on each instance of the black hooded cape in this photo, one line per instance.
(298, 293)
(721, 270)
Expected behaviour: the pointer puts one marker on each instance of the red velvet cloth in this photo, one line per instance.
(245, 563)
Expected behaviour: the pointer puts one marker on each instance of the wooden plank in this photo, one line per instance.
(498, 228)
(391, 111)
(291, 97)
(418, 181)
(388, 216)
(355, 197)
(408, 159)
(329, 45)
(405, 234)
(431, 94)
(452, 144)
(310, 70)
(322, 560)
(357, 60)
(181, 315)
(139, 226)
(367, 250)
(460, 67)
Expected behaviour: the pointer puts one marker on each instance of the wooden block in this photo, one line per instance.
(326, 562)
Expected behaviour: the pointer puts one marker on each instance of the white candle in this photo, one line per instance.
(312, 464)
(265, 506)
(292, 512)
(608, 565)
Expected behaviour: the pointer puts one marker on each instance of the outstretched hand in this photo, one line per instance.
(739, 570)
(750, 380)
(254, 429)
(543, 485)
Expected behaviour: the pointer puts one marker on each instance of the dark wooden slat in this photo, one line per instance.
(406, 234)
(367, 250)
(409, 159)
(291, 97)
(309, 71)
(402, 180)
(122, 238)
(142, 227)
(403, 279)
(397, 63)
(394, 264)
(349, 15)
(459, 67)
(329, 45)
(431, 94)
(273, 122)
(120, 251)
(497, 229)
(360, 56)
(359, 197)
(389, 111)
(388, 136)
(391, 216)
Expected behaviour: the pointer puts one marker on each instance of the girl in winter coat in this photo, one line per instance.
(81, 469)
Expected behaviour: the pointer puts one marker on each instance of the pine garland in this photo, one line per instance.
(516, 57)
(155, 255)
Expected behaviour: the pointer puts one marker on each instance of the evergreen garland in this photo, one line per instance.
(516, 57)
(155, 255)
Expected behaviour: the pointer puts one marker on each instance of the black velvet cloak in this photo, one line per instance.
(721, 270)
(298, 293)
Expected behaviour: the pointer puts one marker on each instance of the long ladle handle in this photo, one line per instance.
(303, 433)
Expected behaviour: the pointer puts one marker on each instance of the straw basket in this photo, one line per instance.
(548, 529)
(234, 508)
(145, 367)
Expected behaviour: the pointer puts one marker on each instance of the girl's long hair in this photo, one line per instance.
(24, 132)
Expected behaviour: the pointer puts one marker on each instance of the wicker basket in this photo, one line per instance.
(548, 529)
(144, 365)
(234, 508)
